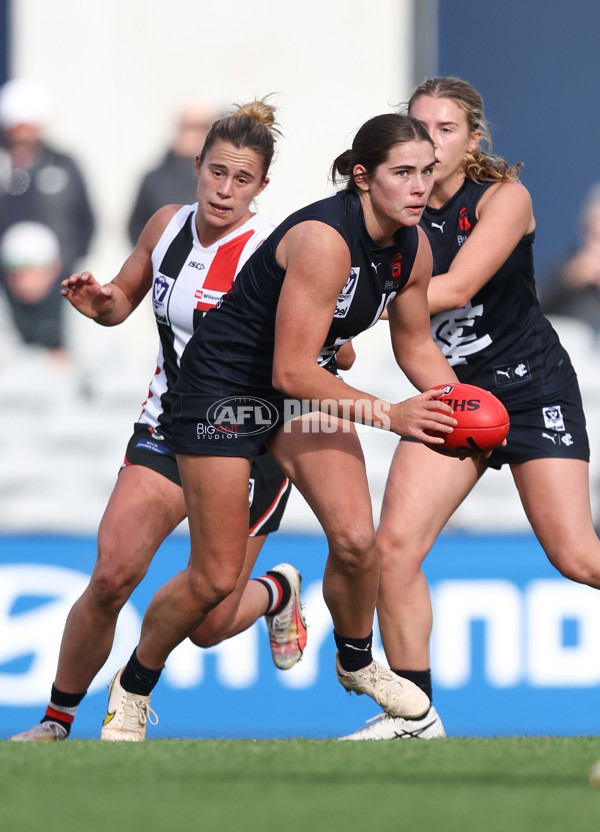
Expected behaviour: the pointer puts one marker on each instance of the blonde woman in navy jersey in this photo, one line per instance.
(487, 320)
(187, 257)
(324, 275)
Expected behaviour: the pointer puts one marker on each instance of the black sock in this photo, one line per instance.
(421, 678)
(62, 708)
(138, 679)
(354, 653)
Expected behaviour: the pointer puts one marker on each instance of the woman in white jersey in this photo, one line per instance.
(187, 256)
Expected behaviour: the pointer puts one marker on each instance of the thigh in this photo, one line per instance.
(143, 509)
(422, 492)
(323, 458)
(217, 624)
(556, 498)
(216, 495)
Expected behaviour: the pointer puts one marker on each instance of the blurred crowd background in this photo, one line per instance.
(102, 109)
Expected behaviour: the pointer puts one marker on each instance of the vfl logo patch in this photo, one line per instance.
(553, 418)
(347, 294)
(161, 291)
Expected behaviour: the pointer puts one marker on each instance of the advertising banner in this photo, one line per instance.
(515, 647)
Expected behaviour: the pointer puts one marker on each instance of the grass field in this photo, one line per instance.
(516, 784)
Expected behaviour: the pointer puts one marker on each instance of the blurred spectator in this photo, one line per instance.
(42, 191)
(32, 266)
(574, 288)
(174, 180)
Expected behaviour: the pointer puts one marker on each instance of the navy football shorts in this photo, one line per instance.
(218, 424)
(269, 488)
(552, 428)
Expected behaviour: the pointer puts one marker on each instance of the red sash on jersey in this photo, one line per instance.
(221, 272)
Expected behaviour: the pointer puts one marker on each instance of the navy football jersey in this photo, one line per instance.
(500, 340)
(234, 346)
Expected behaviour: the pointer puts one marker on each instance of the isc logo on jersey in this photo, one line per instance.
(347, 294)
(160, 298)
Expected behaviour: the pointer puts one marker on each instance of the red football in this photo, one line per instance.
(482, 421)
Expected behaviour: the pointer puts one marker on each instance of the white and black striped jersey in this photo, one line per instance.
(189, 279)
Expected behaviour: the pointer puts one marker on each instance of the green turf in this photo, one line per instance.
(496, 785)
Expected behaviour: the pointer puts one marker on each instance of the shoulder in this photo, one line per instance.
(259, 225)
(506, 192)
(320, 221)
(313, 243)
(157, 224)
(423, 256)
(507, 202)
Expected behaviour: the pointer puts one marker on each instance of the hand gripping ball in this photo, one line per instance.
(482, 421)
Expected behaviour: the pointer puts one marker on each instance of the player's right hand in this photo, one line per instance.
(87, 295)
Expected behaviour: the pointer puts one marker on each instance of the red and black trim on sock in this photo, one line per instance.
(279, 590)
(62, 708)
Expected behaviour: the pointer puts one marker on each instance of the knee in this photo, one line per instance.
(211, 632)
(581, 569)
(400, 557)
(353, 548)
(210, 588)
(112, 583)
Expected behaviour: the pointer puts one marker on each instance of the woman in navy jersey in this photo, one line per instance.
(487, 320)
(324, 275)
(187, 257)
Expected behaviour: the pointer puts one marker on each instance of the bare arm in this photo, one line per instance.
(110, 304)
(346, 356)
(505, 215)
(417, 355)
(317, 264)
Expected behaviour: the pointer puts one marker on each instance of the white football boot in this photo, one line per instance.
(287, 629)
(127, 714)
(386, 727)
(42, 732)
(396, 695)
